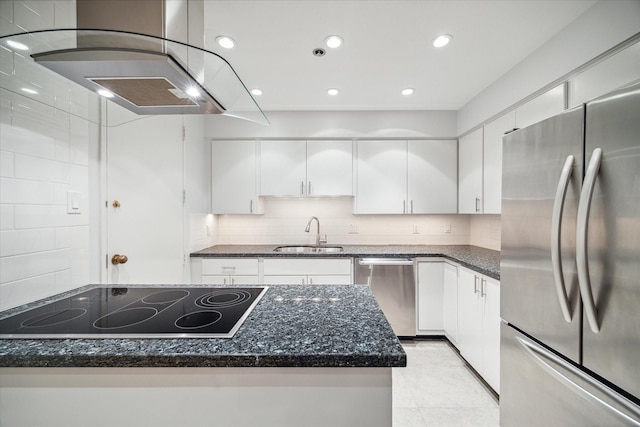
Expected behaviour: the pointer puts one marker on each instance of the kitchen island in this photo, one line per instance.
(306, 355)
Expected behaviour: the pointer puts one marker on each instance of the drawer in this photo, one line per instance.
(299, 266)
(230, 266)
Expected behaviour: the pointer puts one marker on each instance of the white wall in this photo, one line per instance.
(47, 142)
(338, 124)
(605, 25)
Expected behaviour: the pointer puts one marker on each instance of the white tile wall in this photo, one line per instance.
(44, 154)
(285, 219)
(485, 231)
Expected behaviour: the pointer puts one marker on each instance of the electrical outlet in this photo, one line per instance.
(353, 229)
(447, 229)
(208, 230)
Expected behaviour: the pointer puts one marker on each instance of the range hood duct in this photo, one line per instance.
(149, 55)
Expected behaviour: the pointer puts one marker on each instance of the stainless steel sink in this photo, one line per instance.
(301, 249)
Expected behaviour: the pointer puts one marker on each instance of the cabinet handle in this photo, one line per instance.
(404, 206)
(311, 280)
(412, 206)
(477, 208)
(251, 206)
(475, 284)
(483, 288)
(302, 188)
(233, 281)
(303, 280)
(224, 281)
(309, 188)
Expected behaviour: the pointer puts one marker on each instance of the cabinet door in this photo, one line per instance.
(285, 280)
(450, 302)
(233, 175)
(329, 168)
(381, 184)
(283, 168)
(491, 333)
(336, 279)
(492, 161)
(470, 173)
(470, 317)
(430, 295)
(432, 176)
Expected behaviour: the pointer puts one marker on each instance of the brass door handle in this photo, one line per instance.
(119, 259)
(116, 204)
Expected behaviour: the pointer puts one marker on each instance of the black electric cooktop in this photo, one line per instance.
(141, 312)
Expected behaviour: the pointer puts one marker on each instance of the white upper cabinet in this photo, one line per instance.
(492, 161)
(381, 177)
(283, 168)
(542, 107)
(306, 168)
(470, 173)
(432, 176)
(404, 177)
(329, 168)
(233, 174)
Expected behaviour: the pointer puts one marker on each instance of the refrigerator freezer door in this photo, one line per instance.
(533, 189)
(540, 388)
(613, 239)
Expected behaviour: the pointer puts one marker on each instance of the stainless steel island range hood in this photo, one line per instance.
(145, 55)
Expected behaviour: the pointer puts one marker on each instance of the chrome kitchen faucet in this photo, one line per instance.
(319, 241)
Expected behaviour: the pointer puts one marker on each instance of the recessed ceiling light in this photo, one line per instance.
(408, 91)
(105, 93)
(442, 40)
(333, 91)
(17, 45)
(333, 41)
(256, 92)
(31, 91)
(226, 42)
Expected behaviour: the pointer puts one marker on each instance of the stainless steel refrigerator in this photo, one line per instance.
(570, 268)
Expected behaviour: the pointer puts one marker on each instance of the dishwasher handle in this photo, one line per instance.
(385, 261)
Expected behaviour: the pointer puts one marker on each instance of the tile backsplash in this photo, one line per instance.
(284, 221)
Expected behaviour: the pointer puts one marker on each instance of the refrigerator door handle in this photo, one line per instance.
(569, 375)
(582, 227)
(556, 226)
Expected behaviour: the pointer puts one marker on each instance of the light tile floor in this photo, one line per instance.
(438, 389)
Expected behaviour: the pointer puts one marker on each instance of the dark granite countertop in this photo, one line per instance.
(292, 326)
(481, 260)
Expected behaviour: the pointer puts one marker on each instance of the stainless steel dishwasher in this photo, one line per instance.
(393, 284)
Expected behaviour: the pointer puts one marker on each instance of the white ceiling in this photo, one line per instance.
(387, 47)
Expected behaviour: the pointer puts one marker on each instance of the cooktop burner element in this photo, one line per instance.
(142, 312)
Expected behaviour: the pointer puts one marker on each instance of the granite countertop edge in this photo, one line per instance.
(482, 260)
(356, 335)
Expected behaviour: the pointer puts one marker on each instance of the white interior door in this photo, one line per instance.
(144, 180)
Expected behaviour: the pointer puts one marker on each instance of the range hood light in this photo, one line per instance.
(408, 91)
(29, 91)
(256, 92)
(333, 92)
(193, 92)
(17, 45)
(105, 93)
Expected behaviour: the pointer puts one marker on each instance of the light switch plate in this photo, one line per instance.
(73, 202)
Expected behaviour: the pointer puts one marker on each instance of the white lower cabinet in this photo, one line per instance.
(479, 324)
(230, 271)
(450, 303)
(430, 297)
(317, 271)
